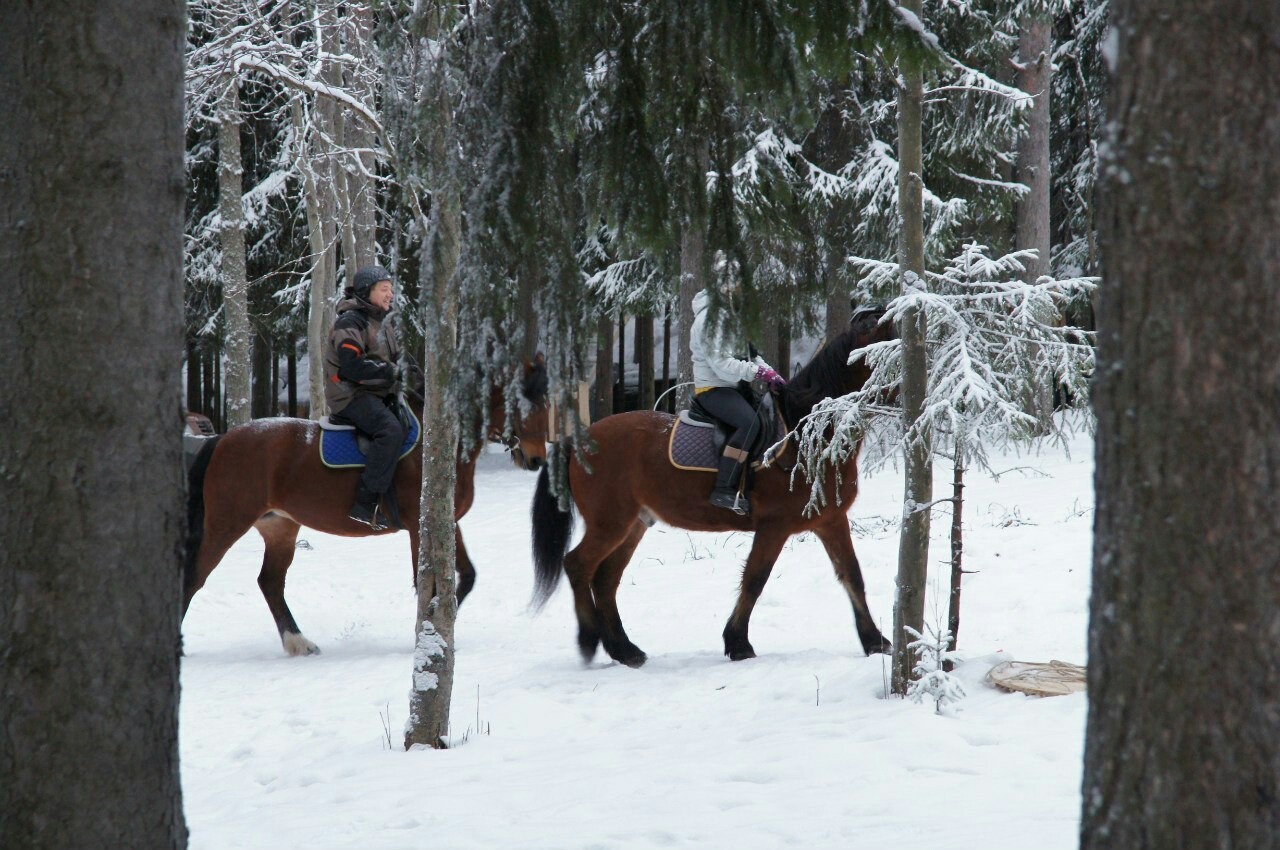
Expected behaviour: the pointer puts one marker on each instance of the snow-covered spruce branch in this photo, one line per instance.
(993, 347)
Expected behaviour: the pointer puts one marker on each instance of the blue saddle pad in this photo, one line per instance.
(339, 449)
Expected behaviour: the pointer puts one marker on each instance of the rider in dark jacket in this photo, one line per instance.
(361, 382)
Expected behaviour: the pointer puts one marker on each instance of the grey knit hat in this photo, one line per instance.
(366, 279)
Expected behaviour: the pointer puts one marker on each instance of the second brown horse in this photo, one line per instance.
(631, 481)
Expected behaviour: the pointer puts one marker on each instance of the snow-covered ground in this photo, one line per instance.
(796, 748)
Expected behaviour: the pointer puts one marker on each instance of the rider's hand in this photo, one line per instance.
(770, 377)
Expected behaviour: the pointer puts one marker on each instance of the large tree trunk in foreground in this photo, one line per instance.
(1183, 680)
(913, 541)
(91, 201)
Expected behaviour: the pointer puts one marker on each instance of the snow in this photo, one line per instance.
(795, 748)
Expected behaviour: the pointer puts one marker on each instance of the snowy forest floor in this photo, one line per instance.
(796, 748)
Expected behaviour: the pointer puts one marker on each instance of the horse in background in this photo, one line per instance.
(268, 475)
(632, 483)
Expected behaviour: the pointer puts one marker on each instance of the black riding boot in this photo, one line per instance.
(365, 510)
(725, 494)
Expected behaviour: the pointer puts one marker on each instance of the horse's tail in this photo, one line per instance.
(195, 508)
(552, 528)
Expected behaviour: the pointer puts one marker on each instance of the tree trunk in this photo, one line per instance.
(528, 312)
(783, 363)
(957, 542)
(1035, 73)
(193, 377)
(433, 661)
(235, 286)
(668, 402)
(769, 342)
(913, 542)
(318, 186)
(263, 384)
(644, 359)
(91, 216)
(208, 389)
(693, 279)
(360, 138)
(1183, 682)
(838, 309)
(219, 414)
(291, 371)
(620, 396)
(604, 367)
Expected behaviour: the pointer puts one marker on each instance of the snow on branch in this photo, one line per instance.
(997, 354)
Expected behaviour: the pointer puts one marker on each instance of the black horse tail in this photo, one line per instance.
(195, 508)
(552, 528)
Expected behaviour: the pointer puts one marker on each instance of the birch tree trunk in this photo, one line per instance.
(322, 226)
(1183, 682)
(360, 139)
(91, 217)
(235, 286)
(913, 541)
(1035, 73)
(433, 661)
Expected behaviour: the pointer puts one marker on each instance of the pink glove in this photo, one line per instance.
(772, 378)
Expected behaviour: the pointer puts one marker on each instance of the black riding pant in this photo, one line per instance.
(372, 416)
(728, 405)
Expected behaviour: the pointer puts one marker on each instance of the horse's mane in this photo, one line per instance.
(825, 376)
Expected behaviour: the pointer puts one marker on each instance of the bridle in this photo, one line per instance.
(511, 443)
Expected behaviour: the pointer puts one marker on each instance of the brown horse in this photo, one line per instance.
(632, 483)
(267, 475)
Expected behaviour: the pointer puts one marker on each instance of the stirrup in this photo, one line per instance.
(732, 500)
(357, 513)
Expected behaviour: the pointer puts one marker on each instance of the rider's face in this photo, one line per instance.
(381, 295)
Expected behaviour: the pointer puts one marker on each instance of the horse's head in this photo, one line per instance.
(528, 434)
(867, 326)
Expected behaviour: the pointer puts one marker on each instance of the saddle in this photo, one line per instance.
(345, 447)
(698, 439)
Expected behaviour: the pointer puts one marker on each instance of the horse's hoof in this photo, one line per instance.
(880, 646)
(587, 646)
(295, 644)
(739, 652)
(634, 658)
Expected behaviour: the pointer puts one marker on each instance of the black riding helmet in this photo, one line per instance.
(366, 279)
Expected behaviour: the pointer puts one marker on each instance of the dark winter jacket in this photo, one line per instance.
(361, 356)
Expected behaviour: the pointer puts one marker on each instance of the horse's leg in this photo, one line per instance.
(219, 536)
(839, 546)
(580, 566)
(280, 535)
(764, 552)
(605, 588)
(466, 570)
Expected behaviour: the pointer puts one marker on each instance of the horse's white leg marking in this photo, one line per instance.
(296, 644)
